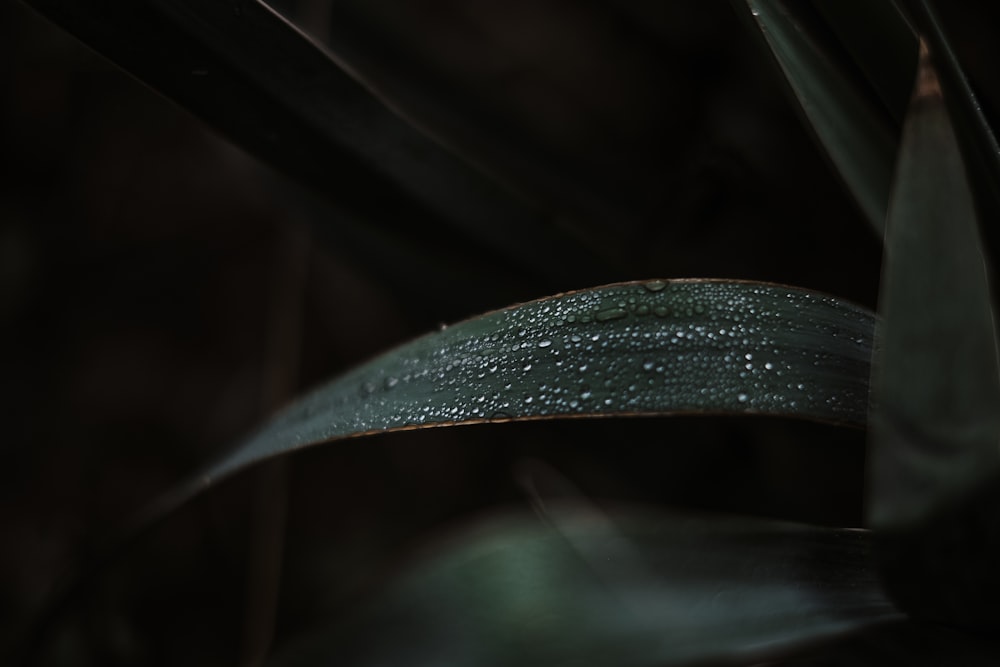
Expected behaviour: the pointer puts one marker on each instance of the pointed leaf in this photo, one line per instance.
(850, 125)
(674, 590)
(935, 458)
(977, 140)
(655, 347)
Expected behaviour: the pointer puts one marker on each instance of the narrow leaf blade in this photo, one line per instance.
(851, 126)
(656, 347)
(881, 43)
(976, 138)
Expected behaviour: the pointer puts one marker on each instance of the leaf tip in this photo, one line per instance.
(928, 86)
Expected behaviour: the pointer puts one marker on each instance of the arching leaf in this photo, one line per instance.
(655, 347)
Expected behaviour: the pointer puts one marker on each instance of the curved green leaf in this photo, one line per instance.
(671, 589)
(936, 424)
(852, 127)
(655, 347)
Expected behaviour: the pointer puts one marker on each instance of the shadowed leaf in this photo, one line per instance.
(852, 127)
(881, 43)
(275, 93)
(935, 459)
(975, 137)
(630, 587)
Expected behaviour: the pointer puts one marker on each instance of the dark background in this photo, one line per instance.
(161, 292)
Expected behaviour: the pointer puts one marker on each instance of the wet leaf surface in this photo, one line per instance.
(655, 347)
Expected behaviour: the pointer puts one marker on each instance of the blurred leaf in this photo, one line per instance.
(976, 138)
(852, 126)
(936, 422)
(635, 587)
(274, 92)
(882, 44)
(656, 347)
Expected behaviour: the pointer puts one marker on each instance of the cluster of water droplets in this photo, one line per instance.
(651, 347)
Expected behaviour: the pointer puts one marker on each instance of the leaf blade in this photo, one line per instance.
(654, 347)
(851, 128)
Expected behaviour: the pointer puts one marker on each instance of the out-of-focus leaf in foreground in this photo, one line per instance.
(655, 347)
(630, 587)
(936, 423)
(852, 126)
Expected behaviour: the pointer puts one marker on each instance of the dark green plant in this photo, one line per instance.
(591, 584)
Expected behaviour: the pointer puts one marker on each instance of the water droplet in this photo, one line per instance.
(527, 367)
(661, 311)
(544, 343)
(575, 338)
(655, 285)
(610, 314)
(585, 395)
(528, 399)
(368, 388)
(391, 382)
(642, 309)
(648, 366)
(742, 398)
